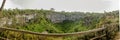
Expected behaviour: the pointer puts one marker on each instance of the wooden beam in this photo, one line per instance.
(54, 34)
(2, 6)
(98, 37)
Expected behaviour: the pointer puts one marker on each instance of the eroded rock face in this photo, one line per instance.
(58, 17)
(19, 19)
(24, 18)
(73, 17)
(5, 20)
(2, 21)
(53, 17)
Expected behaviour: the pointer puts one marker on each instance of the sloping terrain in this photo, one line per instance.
(47, 21)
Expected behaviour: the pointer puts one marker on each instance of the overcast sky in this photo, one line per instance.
(65, 5)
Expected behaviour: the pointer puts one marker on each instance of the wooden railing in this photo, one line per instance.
(102, 32)
(53, 34)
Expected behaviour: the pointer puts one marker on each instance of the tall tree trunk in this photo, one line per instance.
(2, 6)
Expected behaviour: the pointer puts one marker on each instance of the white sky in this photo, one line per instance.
(65, 5)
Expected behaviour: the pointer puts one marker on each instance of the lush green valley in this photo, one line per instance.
(50, 21)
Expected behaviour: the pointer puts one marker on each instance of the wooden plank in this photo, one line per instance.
(1, 8)
(53, 34)
(98, 37)
(3, 3)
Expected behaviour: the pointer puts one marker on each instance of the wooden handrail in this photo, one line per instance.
(53, 34)
(98, 37)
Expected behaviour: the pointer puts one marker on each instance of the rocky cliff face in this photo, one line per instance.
(24, 18)
(57, 17)
(18, 19)
(53, 17)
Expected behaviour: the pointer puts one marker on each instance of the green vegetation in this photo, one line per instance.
(40, 23)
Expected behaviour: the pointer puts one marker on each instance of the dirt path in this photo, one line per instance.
(117, 37)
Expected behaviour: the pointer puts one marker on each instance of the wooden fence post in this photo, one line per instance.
(1, 8)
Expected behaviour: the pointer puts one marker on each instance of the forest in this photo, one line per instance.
(51, 21)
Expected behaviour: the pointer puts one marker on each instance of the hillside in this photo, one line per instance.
(49, 21)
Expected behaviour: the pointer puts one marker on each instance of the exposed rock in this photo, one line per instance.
(45, 32)
(9, 21)
(55, 17)
(3, 21)
(58, 17)
(24, 18)
(73, 17)
(18, 19)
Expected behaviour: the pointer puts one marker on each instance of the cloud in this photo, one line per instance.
(9, 4)
(67, 5)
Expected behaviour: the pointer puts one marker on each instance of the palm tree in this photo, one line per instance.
(3, 3)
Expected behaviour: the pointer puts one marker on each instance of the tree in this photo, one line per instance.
(52, 9)
(2, 6)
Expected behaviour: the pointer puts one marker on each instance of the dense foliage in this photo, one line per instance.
(63, 22)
